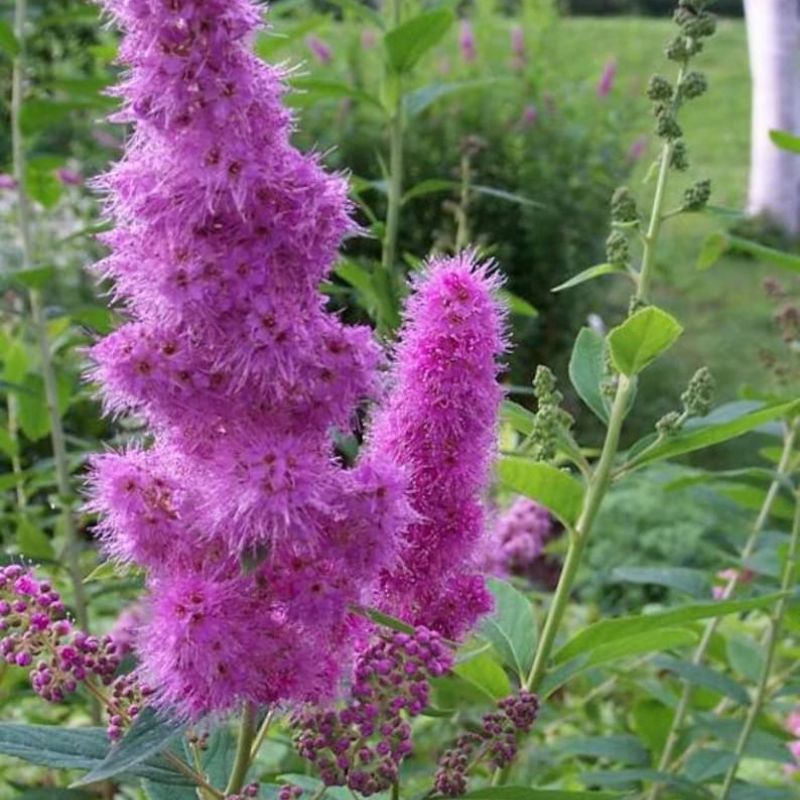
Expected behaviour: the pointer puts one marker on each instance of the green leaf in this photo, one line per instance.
(692, 581)
(420, 99)
(724, 423)
(700, 675)
(511, 628)
(485, 674)
(529, 793)
(33, 278)
(517, 416)
(745, 657)
(165, 791)
(589, 275)
(553, 488)
(586, 371)
(52, 793)
(624, 749)
(410, 40)
(501, 194)
(625, 777)
(785, 140)
(8, 41)
(384, 619)
(72, 748)
(430, 186)
(651, 722)
(8, 445)
(15, 361)
(644, 336)
(149, 735)
(517, 305)
(706, 764)
(713, 248)
(725, 242)
(611, 630)
(316, 88)
(360, 279)
(219, 755)
(33, 542)
(42, 185)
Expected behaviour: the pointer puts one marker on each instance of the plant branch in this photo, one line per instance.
(242, 761)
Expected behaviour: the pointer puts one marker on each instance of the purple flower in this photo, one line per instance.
(224, 232)
(466, 42)
(69, 177)
(439, 422)
(319, 49)
(7, 181)
(369, 38)
(606, 82)
(518, 538)
(518, 49)
(638, 148)
(530, 116)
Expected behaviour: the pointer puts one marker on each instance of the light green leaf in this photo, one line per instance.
(745, 657)
(8, 41)
(518, 417)
(511, 628)
(42, 185)
(724, 423)
(8, 445)
(713, 248)
(501, 194)
(589, 275)
(149, 735)
(785, 140)
(316, 88)
(643, 337)
(726, 243)
(610, 630)
(692, 581)
(419, 100)
(586, 371)
(430, 186)
(410, 40)
(517, 305)
(485, 674)
(553, 488)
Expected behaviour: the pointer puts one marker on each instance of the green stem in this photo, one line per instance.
(241, 764)
(776, 623)
(72, 550)
(699, 655)
(261, 735)
(462, 231)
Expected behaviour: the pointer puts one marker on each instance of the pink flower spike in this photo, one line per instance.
(320, 49)
(69, 177)
(606, 82)
(466, 42)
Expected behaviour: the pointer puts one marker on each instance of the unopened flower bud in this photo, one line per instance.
(679, 159)
(699, 394)
(693, 85)
(696, 197)
(618, 251)
(659, 89)
(623, 206)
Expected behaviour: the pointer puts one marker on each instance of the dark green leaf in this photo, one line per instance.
(586, 371)
(611, 630)
(8, 41)
(700, 675)
(166, 791)
(511, 628)
(34, 278)
(745, 657)
(726, 422)
(644, 336)
(410, 40)
(32, 541)
(555, 489)
(149, 735)
(692, 581)
(52, 793)
(589, 275)
(384, 619)
(626, 777)
(706, 764)
(624, 749)
(430, 186)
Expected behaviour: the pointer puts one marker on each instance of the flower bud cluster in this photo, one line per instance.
(618, 250)
(623, 206)
(699, 393)
(550, 417)
(36, 635)
(127, 698)
(251, 790)
(496, 743)
(290, 792)
(696, 197)
(363, 744)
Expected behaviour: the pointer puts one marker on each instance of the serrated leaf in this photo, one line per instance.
(586, 371)
(610, 630)
(553, 488)
(410, 40)
(641, 339)
(511, 628)
(149, 735)
(692, 581)
(589, 274)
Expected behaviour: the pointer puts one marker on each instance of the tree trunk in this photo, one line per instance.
(773, 35)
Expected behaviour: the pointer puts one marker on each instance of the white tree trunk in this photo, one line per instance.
(773, 35)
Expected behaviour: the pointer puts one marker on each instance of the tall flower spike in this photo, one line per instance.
(223, 233)
(439, 422)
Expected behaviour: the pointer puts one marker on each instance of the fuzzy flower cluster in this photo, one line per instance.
(496, 743)
(439, 422)
(223, 234)
(363, 744)
(517, 540)
(35, 635)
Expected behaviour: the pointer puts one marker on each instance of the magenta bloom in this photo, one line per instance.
(518, 49)
(439, 422)
(466, 42)
(518, 537)
(606, 82)
(319, 49)
(223, 234)
(638, 148)
(7, 181)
